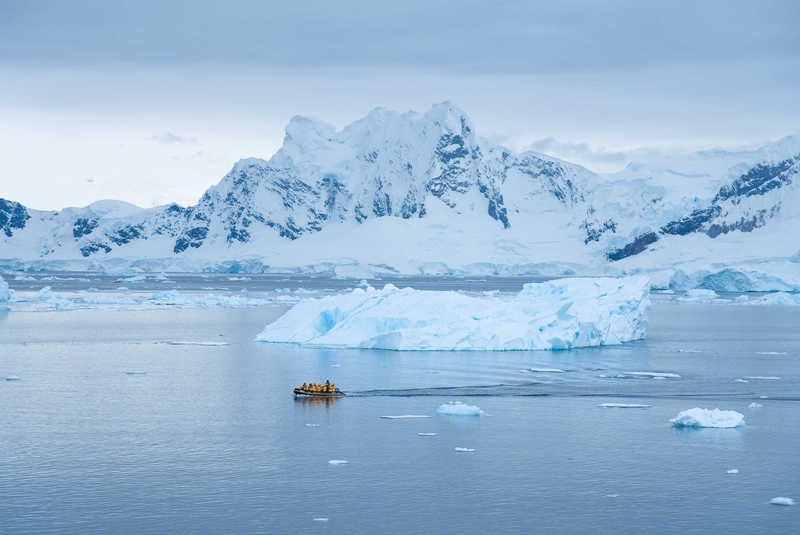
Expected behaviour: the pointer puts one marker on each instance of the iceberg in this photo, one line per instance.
(558, 314)
(781, 501)
(464, 450)
(733, 471)
(5, 293)
(13, 378)
(459, 409)
(755, 405)
(337, 461)
(699, 295)
(698, 417)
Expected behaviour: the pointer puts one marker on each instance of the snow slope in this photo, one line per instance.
(422, 193)
(560, 314)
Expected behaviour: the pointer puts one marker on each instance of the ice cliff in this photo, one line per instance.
(560, 314)
(5, 293)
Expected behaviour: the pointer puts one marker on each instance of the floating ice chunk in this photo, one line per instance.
(13, 378)
(546, 370)
(763, 397)
(652, 374)
(238, 278)
(698, 417)
(603, 376)
(699, 295)
(764, 378)
(176, 343)
(312, 425)
(136, 372)
(612, 495)
(781, 501)
(660, 378)
(320, 519)
(427, 434)
(740, 381)
(623, 406)
(755, 405)
(137, 279)
(44, 293)
(459, 409)
(336, 461)
(734, 471)
(336, 365)
(770, 352)
(404, 416)
(560, 314)
(464, 450)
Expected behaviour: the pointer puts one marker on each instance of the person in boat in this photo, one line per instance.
(304, 387)
(327, 386)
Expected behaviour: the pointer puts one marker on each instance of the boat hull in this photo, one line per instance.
(300, 392)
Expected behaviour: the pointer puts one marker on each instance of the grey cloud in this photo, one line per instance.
(168, 138)
(453, 36)
(583, 153)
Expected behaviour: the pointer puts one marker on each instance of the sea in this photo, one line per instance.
(169, 419)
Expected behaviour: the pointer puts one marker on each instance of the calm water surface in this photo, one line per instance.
(210, 439)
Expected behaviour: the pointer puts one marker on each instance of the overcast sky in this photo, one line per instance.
(153, 101)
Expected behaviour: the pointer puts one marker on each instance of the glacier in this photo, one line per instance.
(698, 417)
(559, 314)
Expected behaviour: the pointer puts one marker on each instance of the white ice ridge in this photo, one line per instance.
(5, 293)
(559, 314)
(765, 378)
(781, 501)
(178, 343)
(623, 406)
(652, 374)
(459, 409)
(402, 416)
(698, 417)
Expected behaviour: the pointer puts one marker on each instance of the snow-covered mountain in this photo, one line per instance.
(422, 193)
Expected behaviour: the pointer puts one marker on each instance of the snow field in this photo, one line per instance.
(559, 314)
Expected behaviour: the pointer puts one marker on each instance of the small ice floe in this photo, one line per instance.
(755, 405)
(659, 378)
(603, 376)
(336, 461)
(13, 378)
(623, 406)
(698, 417)
(763, 397)
(770, 352)
(173, 343)
(457, 408)
(698, 295)
(612, 495)
(764, 378)
(546, 370)
(652, 374)
(136, 372)
(733, 471)
(312, 425)
(781, 501)
(427, 434)
(404, 416)
(464, 450)
(336, 365)
(320, 519)
(740, 381)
